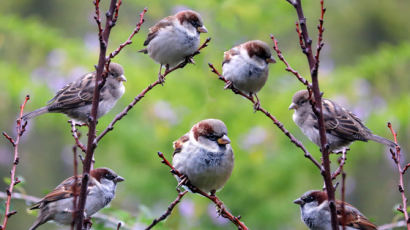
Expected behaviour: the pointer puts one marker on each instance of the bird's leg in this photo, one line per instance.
(257, 104)
(160, 77)
(228, 85)
(189, 59)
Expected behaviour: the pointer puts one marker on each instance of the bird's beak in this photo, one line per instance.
(202, 29)
(270, 60)
(298, 201)
(293, 106)
(119, 179)
(122, 78)
(224, 140)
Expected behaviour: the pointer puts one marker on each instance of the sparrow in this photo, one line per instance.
(342, 126)
(315, 213)
(174, 38)
(58, 204)
(204, 155)
(246, 66)
(75, 99)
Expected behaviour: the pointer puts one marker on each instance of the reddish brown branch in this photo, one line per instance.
(271, 117)
(129, 40)
(396, 155)
(124, 112)
(76, 135)
(169, 210)
(222, 210)
(288, 67)
(317, 106)
(103, 38)
(20, 128)
(74, 186)
(343, 196)
(321, 29)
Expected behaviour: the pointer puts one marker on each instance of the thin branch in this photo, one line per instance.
(271, 117)
(306, 46)
(222, 210)
(390, 226)
(342, 162)
(76, 135)
(396, 155)
(74, 186)
(103, 38)
(169, 210)
(321, 29)
(20, 128)
(124, 112)
(288, 67)
(129, 40)
(343, 196)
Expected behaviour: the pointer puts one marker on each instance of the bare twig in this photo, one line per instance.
(343, 196)
(74, 186)
(76, 135)
(20, 128)
(396, 155)
(342, 162)
(271, 117)
(222, 210)
(390, 226)
(306, 46)
(124, 112)
(103, 38)
(288, 67)
(129, 40)
(169, 210)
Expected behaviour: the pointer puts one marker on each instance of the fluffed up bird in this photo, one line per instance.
(204, 155)
(58, 205)
(315, 213)
(75, 99)
(174, 38)
(342, 126)
(246, 66)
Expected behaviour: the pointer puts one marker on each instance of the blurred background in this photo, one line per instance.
(364, 66)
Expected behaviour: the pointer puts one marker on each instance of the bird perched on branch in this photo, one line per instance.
(75, 99)
(315, 213)
(174, 38)
(204, 155)
(58, 204)
(342, 126)
(246, 66)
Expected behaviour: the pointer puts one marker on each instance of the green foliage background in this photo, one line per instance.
(365, 66)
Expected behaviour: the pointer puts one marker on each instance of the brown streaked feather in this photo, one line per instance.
(353, 218)
(75, 94)
(62, 191)
(179, 143)
(153, 31)
(342, 123)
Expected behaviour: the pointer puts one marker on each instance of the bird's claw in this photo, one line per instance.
(228, 85)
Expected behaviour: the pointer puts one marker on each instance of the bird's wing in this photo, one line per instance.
(65, 189)
(229, 54)
(353, 217)
(179, 143)
(153, 31)
(75, 94)
(341, 123)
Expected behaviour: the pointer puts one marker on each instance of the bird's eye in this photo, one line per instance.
(308, 199)
(212, 137)
(109, 176)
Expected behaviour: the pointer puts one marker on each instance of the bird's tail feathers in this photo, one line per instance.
(383, 140)
(35, 113)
